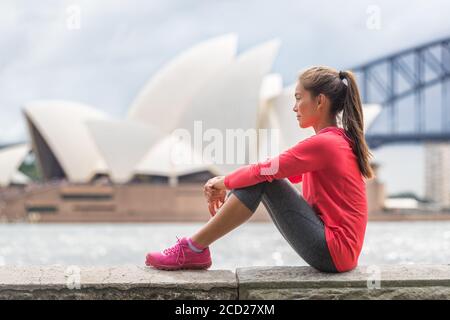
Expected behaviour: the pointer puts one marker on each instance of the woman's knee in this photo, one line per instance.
(280, 185)
(253, 188)
(250, 196)
(281, 194)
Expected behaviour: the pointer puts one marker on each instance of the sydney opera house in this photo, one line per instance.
(99, 168)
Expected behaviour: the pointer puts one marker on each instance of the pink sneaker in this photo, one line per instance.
(179, 256)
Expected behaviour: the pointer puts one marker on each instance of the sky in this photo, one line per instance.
(119, 45)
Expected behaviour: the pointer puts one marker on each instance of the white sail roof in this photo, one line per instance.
(230, 99)
(62, 125)
(271, 86)
(20, 178)
(171, 157)
(11, 158)
(207, 83)
(123, 144)
(169, 92)
(371, 112)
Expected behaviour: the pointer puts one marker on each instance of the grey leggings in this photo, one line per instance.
(294, 218)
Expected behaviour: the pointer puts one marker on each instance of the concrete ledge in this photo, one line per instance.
(129, 282)
(364, 282)
(133, 282)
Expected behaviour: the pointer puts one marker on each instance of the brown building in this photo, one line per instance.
(138, 202)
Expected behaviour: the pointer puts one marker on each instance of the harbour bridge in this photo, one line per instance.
(413, 88)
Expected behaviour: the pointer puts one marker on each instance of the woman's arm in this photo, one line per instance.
(313, 153)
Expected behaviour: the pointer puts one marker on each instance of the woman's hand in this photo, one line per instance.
(215, 193)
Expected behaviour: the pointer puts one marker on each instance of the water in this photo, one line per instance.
(252, 244)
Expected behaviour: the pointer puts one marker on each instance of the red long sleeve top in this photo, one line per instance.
(332, 185)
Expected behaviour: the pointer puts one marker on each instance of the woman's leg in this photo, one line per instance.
(298, 223)
(294, 218)
(231, 214)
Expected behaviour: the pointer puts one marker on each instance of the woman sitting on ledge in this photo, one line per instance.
(326, 225)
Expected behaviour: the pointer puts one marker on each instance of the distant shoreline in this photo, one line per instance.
(407, 215)
(372, 218)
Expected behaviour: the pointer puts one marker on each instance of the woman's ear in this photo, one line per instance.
(321, 101)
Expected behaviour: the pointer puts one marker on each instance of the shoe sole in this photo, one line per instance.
(186, 267)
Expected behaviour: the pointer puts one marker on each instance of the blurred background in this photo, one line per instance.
(90, 92)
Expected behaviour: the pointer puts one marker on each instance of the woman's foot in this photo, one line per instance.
(180, 256)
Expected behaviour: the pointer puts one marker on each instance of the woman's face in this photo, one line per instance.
(305, 107)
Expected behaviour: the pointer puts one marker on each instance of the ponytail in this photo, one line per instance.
(353, 122)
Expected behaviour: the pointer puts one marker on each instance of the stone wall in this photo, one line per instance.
(134, 282)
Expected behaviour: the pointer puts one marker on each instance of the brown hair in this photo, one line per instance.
(341, 88)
